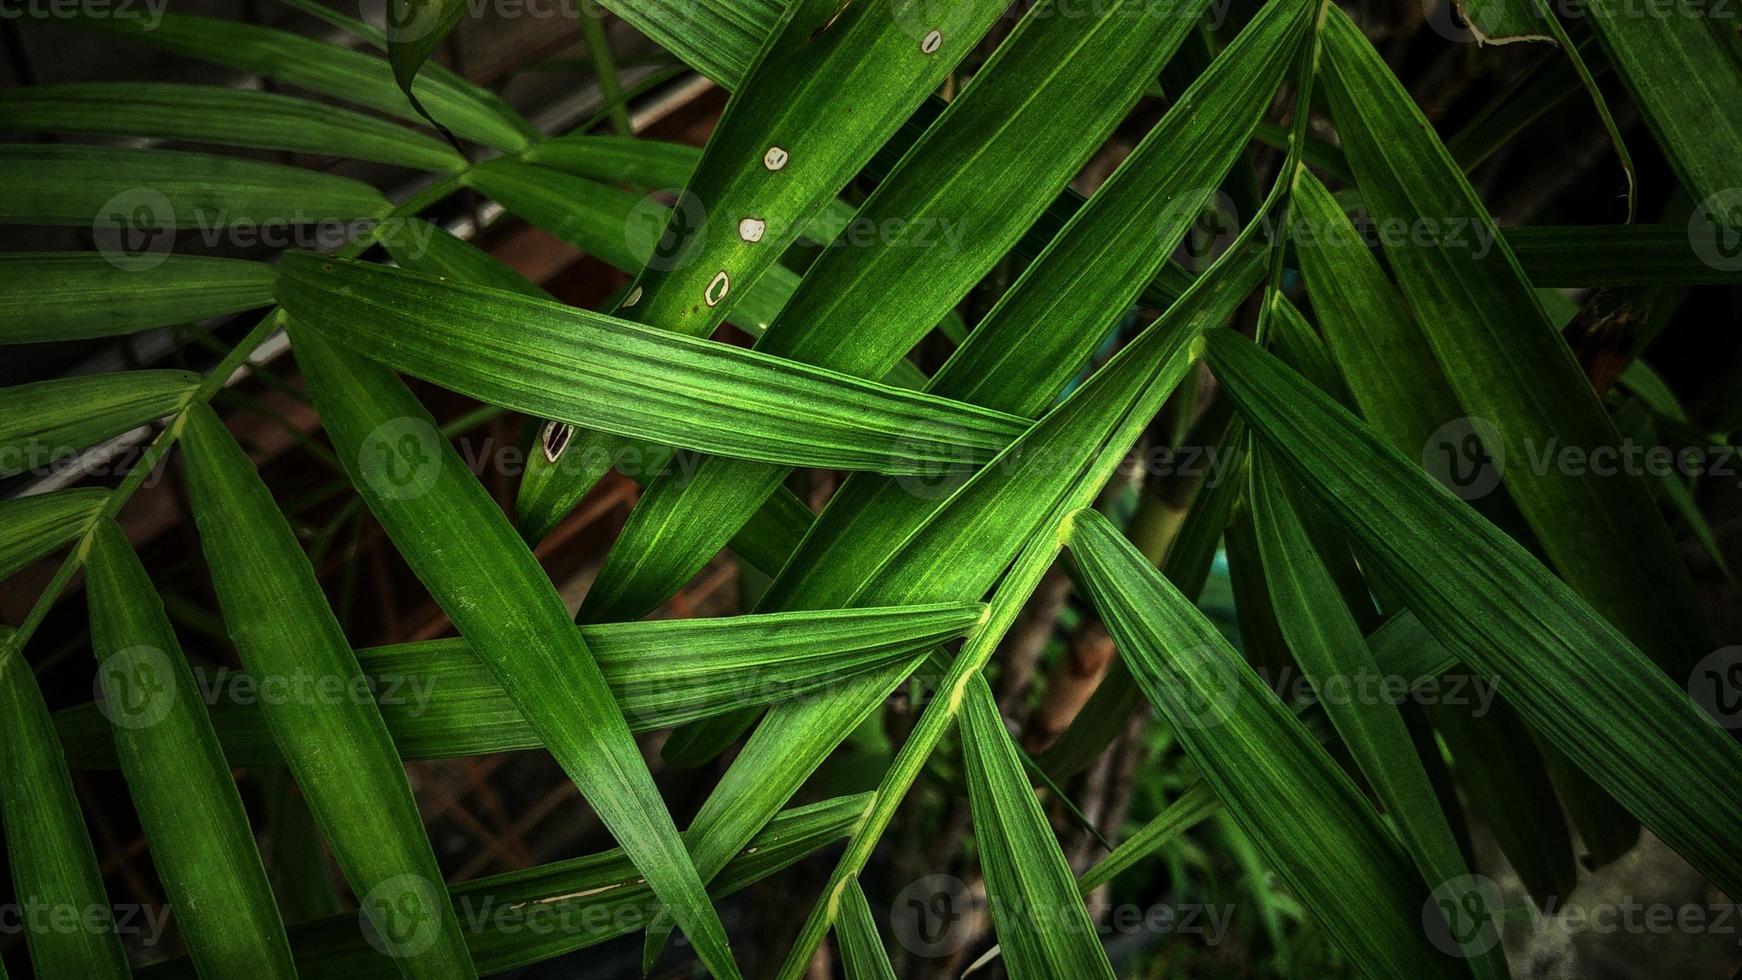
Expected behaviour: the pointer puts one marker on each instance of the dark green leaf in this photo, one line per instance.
(180, 782)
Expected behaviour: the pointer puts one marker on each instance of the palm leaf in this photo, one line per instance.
(46, 844)
(460, 544)
(76, 295)
(469, 110)
(338, 749)
(554, 361)
(48, 420)
(1507, 364)
(440, 701)
(997, 124)
(1042, 923)
(1577, 680)
(225, 116)
(31, 527)
(199, 836)
(1302, 812)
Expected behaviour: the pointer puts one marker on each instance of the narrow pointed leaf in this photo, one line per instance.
(463, 549)
(50, 296)
(1400, 389)
(440, 701)
(1684, 71)
(31, 527)
(1506, 362)
(990, 165)
(53, 865)
(970, 539)
(225, 116)
(338, 749)
(135, 197)
(50, 420)
(1302, 812)
(780, 153)
(415, 28)
(1021, 356)
(1327, 643)
(1571, 675)
(862, 952)
(1042, 923)
(554, 361)
(192, 816)
(540, 913)
(362, 79)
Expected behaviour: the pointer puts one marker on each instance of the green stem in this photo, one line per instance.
(605, 68)
(1292, 165)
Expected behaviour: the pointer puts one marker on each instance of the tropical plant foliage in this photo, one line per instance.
(1365, 419)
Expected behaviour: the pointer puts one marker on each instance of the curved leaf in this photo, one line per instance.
(1574, 677)
(536, 914)
(53, 865)
(975, 181)
(180, 782)
(554, 361)
(1507, 364)
(462, 547)
(1314, 828)
(132, 196)
(1042, 924)
(470, 111)
(338, 748)
(862, 952)
(440, 701)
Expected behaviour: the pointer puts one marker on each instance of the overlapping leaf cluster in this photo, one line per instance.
(1566, 591)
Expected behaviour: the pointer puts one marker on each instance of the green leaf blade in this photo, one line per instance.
(339, 751)
(224, 116)
(46, 421)
(1572, 675)
(46, 843)
(1307, 818)
(52, 296)
(192, 815)
(553, 361)
(461, 546)
(1507, 364)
